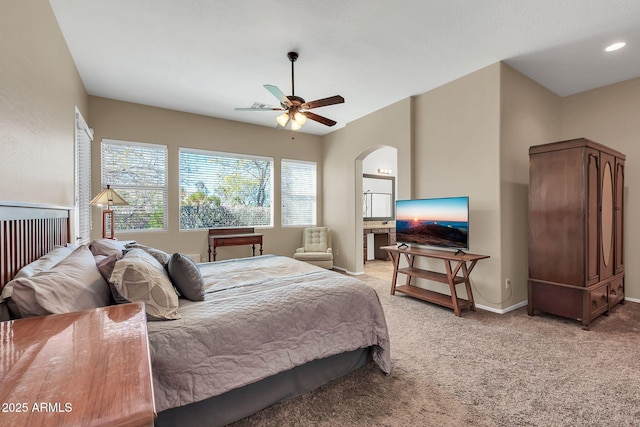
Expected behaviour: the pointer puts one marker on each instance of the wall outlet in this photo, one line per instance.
(507, 283)
(337, 252)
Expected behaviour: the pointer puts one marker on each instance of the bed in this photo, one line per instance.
(269, 328)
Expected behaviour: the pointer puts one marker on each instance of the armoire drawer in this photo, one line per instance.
(598, 301)
(616, 291)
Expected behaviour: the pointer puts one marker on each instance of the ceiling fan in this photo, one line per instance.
(296, 109)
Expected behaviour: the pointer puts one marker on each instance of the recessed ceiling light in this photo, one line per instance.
(615, 46)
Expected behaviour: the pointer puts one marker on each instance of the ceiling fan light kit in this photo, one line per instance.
(300, 118)
(283, 119)
(296, 108)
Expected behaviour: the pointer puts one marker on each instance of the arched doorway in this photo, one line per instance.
(380, 161)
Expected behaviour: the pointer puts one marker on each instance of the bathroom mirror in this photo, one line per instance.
(378, 197)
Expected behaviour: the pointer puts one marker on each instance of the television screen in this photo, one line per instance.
(438, 222)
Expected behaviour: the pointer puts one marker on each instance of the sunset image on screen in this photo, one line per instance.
(441, 222)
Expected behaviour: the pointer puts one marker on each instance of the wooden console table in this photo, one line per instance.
(88, 368)
(233, 237)
(464, 263)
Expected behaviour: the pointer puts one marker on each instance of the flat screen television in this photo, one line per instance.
(437, 222)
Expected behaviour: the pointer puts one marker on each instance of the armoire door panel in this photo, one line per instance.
(607, 166)
(592, 216)
(556, 217)
(619, 217)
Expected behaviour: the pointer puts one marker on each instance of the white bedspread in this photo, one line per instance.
(261, 316)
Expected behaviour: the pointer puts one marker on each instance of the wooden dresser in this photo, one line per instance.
(576, 263)
(89, 368)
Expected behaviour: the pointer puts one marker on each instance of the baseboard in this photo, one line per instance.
(523, 303)
(504, 310)
(344, 270)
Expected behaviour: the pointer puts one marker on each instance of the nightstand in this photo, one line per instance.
(86, 368)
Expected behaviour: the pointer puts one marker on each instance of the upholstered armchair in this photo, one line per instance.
(316, 247)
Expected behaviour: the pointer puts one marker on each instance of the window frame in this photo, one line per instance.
(283, 193)
(231, 155)
(164, 189)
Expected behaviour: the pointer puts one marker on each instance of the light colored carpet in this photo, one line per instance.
(482, 369)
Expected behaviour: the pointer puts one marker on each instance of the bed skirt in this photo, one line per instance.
(242, 402)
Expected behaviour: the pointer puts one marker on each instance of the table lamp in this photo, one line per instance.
(108, 197)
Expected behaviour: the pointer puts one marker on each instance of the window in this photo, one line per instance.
(138, 172)
(298, 193)
(224, 190)
(84, 136)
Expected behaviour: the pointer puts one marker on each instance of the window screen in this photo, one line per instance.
(224, 190)
(298, 193)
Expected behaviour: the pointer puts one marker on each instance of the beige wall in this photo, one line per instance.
(133, 122)
(482, 123)
(39, 89)
(457, 153)
(344, 151)
(467, 137)
(529, 115)
(610, 116)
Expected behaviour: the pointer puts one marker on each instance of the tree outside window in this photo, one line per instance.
(220, 190)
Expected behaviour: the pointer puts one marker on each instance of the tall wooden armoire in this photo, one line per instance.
(576, 267)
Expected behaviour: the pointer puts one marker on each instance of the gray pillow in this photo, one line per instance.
(186, 277)
(107, 247)
(159, 254)
(43, 263)
(138, 276)
(73, 284)
(105, 265)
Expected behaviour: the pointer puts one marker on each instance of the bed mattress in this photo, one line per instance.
(261, 316)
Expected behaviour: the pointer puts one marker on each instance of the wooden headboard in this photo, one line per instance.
(27, 232)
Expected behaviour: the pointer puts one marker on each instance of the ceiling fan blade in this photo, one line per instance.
(260, 109)
(337, 99)
(278, 94)
(319, 119)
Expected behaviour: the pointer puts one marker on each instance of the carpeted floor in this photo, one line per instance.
(482, 369)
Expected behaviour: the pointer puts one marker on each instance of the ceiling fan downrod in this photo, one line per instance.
(293, 56)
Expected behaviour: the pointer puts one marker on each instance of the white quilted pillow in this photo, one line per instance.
(138, 276)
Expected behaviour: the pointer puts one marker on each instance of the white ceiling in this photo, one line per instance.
(209, 56)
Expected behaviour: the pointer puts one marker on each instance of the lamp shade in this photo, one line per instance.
(300, 118)
(283, 119)
(108, 197)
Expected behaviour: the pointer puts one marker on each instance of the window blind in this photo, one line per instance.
(298, 194)
(138, 172)
(84, 136)
(224, 190)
